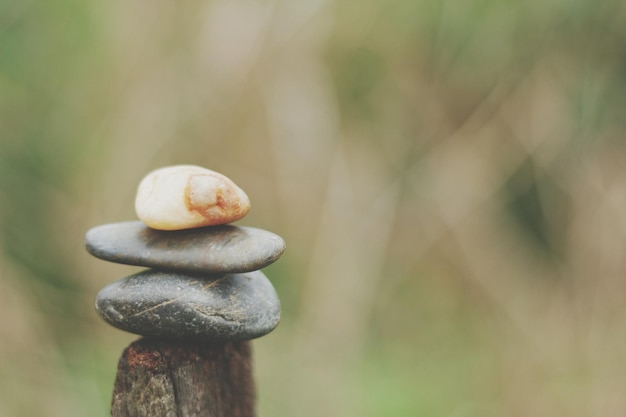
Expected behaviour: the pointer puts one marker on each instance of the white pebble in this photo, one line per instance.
(188, 196)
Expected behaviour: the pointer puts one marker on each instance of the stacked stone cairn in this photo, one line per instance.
(204, 282)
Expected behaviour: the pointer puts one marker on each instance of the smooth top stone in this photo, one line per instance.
(173, 305)
(209, 250)
(188, 196)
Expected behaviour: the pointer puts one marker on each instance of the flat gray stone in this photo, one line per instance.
(208, 250)
(172, 305)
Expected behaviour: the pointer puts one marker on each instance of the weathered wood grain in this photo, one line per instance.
(171, 378)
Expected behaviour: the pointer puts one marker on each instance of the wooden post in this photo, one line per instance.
(171, 378)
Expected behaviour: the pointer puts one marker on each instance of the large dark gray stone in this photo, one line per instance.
(173, 305)
(207, 250)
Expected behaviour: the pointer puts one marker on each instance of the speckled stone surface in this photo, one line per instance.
(173, 305)
(208, 250)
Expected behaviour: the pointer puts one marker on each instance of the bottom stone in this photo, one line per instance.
(177, 306)
(184, 379)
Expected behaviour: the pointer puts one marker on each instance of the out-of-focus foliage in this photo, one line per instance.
(449, 177)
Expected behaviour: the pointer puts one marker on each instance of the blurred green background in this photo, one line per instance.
(450, 178)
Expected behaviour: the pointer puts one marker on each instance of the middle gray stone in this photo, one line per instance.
(207, 250)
